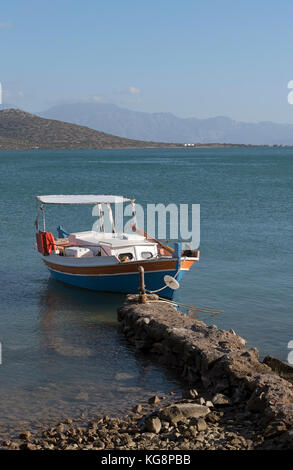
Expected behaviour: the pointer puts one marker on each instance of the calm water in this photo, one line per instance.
(62, 353)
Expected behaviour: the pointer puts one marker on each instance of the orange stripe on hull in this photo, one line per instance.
(187, 263)
(126, 268)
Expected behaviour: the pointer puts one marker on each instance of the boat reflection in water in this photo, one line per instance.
(87, 358)
(76, 323)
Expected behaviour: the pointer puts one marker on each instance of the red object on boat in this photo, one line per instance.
(45, 242)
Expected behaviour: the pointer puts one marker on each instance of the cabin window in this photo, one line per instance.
(125, 256)
(146, 254)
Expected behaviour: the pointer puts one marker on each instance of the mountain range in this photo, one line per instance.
(166, 127)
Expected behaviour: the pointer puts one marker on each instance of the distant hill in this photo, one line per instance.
(13, 144)
(165, 127)
(21, 130)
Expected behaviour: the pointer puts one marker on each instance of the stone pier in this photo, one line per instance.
(216, 358)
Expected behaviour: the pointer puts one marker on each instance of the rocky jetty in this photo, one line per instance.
(216, 358)
(231, 400)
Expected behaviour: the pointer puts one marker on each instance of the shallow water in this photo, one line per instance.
(62, 353)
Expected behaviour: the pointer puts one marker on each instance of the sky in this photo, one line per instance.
(200, 58)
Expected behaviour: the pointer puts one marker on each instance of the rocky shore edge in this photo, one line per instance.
(232, 401)
(192, 423)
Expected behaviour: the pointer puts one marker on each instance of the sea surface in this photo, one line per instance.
(62, 354)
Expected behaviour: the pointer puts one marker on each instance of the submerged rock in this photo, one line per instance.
(154, 400)
(137, 409)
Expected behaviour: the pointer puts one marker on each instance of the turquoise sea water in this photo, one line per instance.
(62, 353)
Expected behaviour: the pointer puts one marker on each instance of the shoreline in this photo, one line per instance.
(144, 147)
(206, 426)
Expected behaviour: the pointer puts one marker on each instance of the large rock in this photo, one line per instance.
(234, 369)
(281, 368)
(177, 412)
(273, 396)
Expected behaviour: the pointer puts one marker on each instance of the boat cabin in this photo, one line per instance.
(123, 246)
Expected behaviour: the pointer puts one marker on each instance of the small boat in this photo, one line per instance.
(110, 261)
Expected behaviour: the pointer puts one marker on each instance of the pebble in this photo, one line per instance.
(137, 409)
(153, 425)
(26, 435)
(201, 425)
(154, 400)
(221, 400)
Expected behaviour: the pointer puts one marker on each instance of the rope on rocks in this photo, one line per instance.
(180, 304)
(198, 309)
(189, 307)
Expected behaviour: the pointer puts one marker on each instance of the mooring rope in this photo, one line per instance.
(180, 304)
(189, 307)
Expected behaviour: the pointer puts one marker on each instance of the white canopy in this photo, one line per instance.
(82, 199)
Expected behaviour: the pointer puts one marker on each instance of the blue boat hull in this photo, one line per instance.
(121, 283)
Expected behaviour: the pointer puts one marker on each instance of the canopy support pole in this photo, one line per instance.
(101, 214)
(37, 215)
(111, 217)
(44, 218)
(133, 212)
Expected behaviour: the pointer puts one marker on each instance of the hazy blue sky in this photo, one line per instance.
(191, 58)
